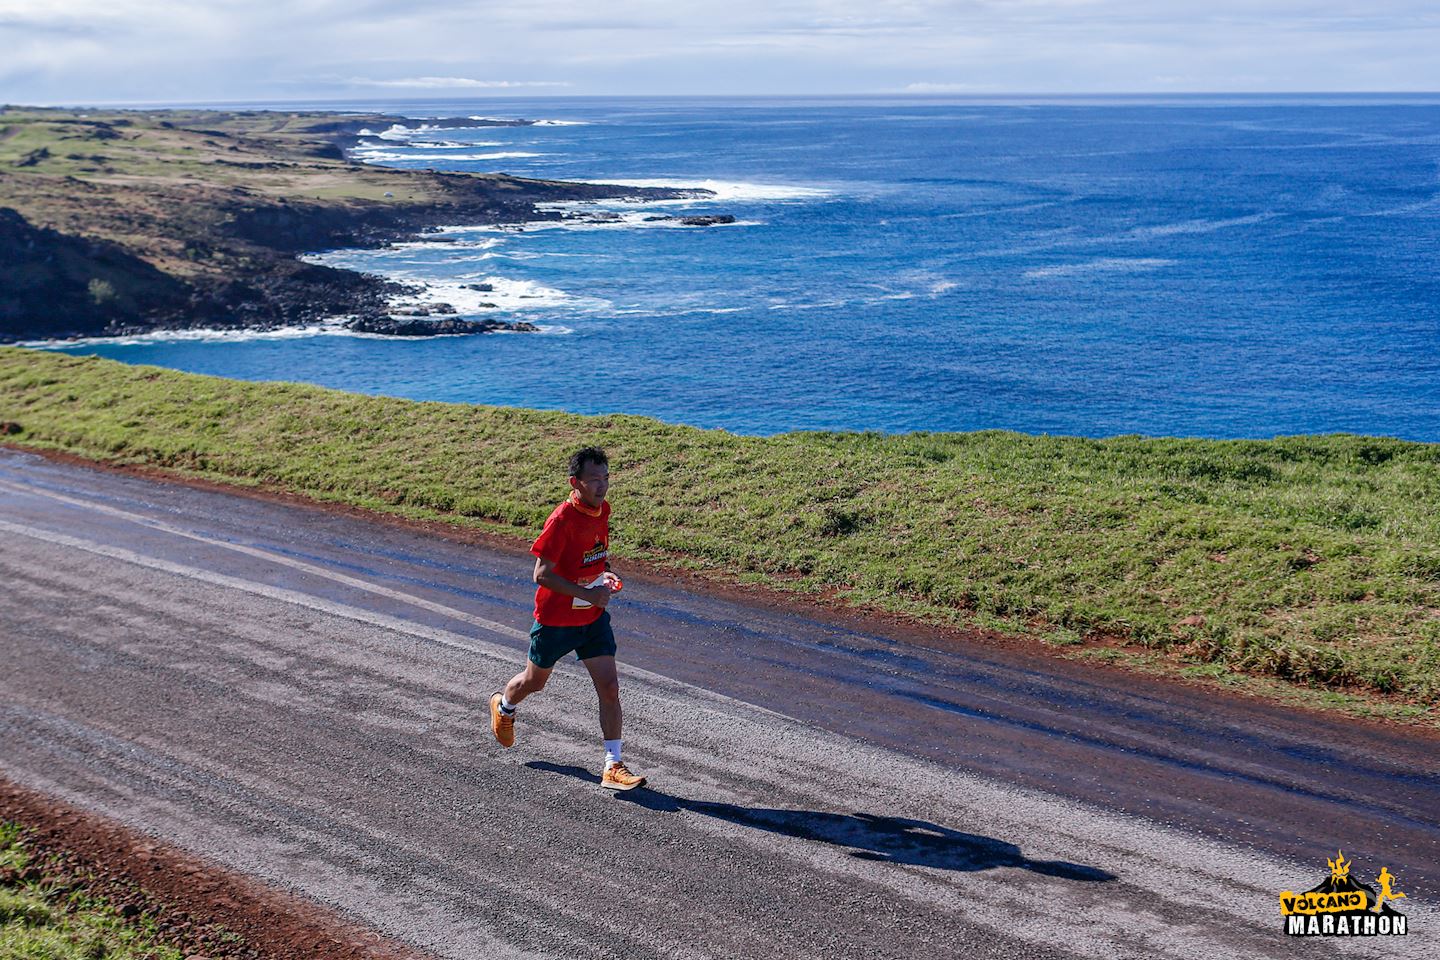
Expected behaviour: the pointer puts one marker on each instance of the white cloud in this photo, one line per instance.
(454, 83)
(87, 50)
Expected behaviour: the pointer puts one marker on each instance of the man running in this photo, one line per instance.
(573, 588)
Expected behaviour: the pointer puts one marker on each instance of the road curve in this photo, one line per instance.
(299, 695)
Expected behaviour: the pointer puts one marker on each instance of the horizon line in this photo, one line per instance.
(902, 94)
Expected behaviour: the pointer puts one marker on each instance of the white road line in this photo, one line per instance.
(434, 634)
(445, 638)
(310, 568)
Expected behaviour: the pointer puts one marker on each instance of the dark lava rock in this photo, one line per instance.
(34, 157)
(706, 220)
(424, 310)
(481, 287)
(408, 327)
(54, 285)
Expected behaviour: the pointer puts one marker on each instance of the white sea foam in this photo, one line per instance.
(459, 253)
(1102, 265)
(453, 144)
(725, 189)
(1195, 226)
(504, 296)
(820, 305)
(382, 156)
(503, 155)
(1062, 238)
(1406, 209)
(401, 133)
(396, 132)
(507, 295)
(489, 243)
(443, 144)
(993, 211)
(625, 219)
(331, 327)
(542, 123)
(429, 128)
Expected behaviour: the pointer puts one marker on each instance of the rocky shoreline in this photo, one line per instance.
(106, 241)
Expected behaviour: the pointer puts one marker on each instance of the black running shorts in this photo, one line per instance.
(549, 644)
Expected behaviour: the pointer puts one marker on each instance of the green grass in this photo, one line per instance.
(75, 149)
(1314, 560)
(43, 917)
(129, 149)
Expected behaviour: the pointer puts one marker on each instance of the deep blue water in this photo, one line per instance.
(1236, 268)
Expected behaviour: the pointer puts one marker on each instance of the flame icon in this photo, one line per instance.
(1339, 869)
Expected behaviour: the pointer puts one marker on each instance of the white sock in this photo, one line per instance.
(612, 751)
(506, 707)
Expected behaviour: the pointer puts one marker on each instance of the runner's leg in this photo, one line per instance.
(606, 677)
(530, 680)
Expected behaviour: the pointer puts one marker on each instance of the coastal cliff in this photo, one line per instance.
(125, 221)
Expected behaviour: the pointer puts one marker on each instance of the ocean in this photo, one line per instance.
(1208, 267)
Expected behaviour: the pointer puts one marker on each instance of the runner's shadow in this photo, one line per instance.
(865, 835)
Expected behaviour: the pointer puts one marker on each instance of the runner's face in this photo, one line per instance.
(592, 483)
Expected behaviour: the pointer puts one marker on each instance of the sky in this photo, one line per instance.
(159, 51)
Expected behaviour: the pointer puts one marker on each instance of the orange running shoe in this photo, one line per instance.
(618, 777)
(502, 726)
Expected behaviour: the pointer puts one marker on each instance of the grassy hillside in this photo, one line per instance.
(164, 184)
(1314, 560)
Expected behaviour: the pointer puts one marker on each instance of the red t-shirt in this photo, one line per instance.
(577, 543)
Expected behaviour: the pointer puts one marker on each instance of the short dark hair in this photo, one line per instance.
(579, 458)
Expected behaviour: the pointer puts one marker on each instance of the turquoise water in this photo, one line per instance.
(1235, 268)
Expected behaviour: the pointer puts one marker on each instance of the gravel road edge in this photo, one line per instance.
(200, 908)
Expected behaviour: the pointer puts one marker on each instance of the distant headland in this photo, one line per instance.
(119, 222)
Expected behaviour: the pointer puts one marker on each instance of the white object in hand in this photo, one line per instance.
(606, 579)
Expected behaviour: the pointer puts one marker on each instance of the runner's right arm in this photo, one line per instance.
(546, 577)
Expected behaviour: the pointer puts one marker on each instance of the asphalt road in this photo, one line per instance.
(300, 695)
